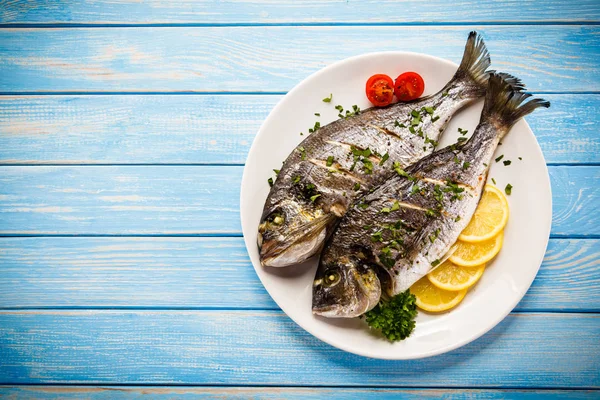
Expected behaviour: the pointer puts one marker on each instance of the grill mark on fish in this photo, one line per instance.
(373, 158)
(404, 204)
(386, 131)
(337, 168)
(406, 144)
(443, 183)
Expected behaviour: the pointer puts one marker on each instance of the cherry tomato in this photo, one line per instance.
(380, 90)
(409, 86)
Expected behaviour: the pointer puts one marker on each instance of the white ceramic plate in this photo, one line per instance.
(505, 280)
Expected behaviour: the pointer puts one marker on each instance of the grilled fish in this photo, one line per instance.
(343, 160)
(409, 223)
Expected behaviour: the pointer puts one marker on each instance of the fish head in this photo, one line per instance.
(345, 288)
(291, 231)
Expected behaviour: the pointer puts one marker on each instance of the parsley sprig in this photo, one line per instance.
(395, 318)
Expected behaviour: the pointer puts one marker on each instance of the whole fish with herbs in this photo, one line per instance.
(406, 227)
(346, 158)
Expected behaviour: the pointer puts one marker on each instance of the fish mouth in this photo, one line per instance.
(297, 247)
(361, 294)
(274, 253)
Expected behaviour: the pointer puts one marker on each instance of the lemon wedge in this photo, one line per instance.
(434, 299)
(449, 276)
(475, 254)
(490, 216)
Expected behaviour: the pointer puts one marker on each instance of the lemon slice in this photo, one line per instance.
(451, 277)
(434, 299)
(475, 254)
(490, 216)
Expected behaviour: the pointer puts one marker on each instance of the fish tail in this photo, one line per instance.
(504, 104)
(472, 70)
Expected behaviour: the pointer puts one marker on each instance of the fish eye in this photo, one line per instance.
(331, 278)
(276, 218)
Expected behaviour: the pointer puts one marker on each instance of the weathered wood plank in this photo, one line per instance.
(163, 129)
(267, 348)
(106, 200)
(277, 393)
(264, 11)
(258, 59)
(187, 272)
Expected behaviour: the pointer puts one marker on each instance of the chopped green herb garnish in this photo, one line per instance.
(339, 108)
(435, 263)
(296, 179)
(356, 186)
(377, 237)
(444, 93)
(415, 113)
(330, 161)
(384, 158)
(302, 153)
(430, 212)
(434, 235)
(412, 129)
(318, 114)
(466, 165)
(367, 166)
(457, 218)
(313, 129)
(485, 165)
(301, 134)
(493, 181)
(313, 198)
(433, 119)
(394, 318)
(508, 189)
(362, 205)
(399, 125)
(270, 180)
(433, 143)
(507, 162)
(276, 171)
(429, 110)
(402, 172)
(499, 158)
(461, 139)
(456, 160)
(328, 99)
(521, 158)
(462, 131)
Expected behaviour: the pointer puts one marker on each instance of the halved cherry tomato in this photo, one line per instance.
(409, 86)
(380, 90)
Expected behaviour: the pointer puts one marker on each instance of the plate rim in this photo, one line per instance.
(392, 356)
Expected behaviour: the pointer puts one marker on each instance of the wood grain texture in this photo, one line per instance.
(267, 348)
(265, 11)
(112, 129)
(274, 393)
(187, 272)
(195, 200)
(259, 59)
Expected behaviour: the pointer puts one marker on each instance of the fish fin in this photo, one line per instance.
(512, 80)
(472, 69)
(504, 105)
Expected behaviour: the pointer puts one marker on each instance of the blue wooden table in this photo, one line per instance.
(124, 127)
